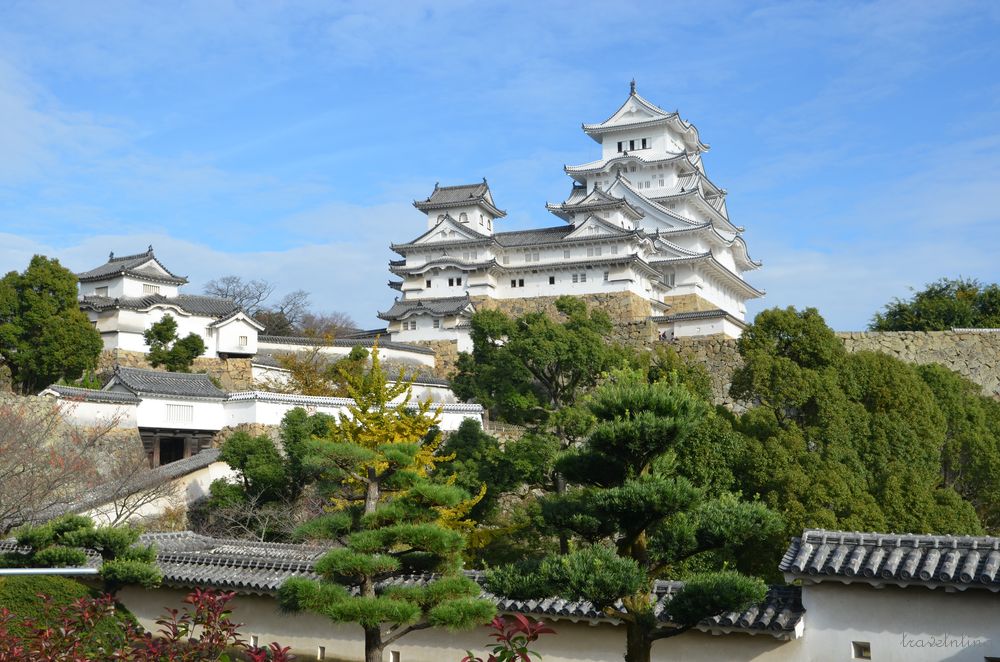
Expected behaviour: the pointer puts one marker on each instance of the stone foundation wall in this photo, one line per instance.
(445, 355)
(688, 303)
(629, 312)
(233, 374)
(975, 356)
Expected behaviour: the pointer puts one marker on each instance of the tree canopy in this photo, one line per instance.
(387, 515)
(44, 336)
(944, 304)
(634, 519)
(839, 440)
(167, 350)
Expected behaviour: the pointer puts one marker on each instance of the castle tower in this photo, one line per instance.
(643, 228)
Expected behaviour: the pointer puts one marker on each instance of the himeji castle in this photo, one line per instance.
(643, 227)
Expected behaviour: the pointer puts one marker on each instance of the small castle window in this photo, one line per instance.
(644, 144)
(243, 341)
(861, 650)
(458, 281)
(566, 253)
(621, 146)
(101, 291)
(552, 280)
(451, 282)
(463, 217)
(606, 274)
(150, 289)
(427, 283)
(489, 224)
(437, 324)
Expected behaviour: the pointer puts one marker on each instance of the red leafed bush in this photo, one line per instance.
(513, 638)
(202, 630)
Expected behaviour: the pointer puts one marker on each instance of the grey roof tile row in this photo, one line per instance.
(443, 306)
(957, 562)
(156, 382)
(131, 264)
(204, 306)
(189, 559)
(93, 395)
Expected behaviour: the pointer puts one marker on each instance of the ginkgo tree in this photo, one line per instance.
(387, 518)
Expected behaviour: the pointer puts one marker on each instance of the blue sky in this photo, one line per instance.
(859, 141)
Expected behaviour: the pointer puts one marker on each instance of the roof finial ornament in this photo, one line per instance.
(632, 87)
(436, 186)
(150, 249)
(111, 256)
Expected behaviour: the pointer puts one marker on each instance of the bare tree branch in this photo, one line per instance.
(249, 295)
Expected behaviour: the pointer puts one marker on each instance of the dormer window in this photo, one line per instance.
(149, 289)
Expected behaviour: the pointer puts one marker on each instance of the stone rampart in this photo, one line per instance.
(973, 354)
(233, 374)
(629, 313)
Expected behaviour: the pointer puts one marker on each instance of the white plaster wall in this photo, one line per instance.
(227, 337)
(206, 414)
(115, 288)
(133, 287)
(130, 325)
(689, 328)
(190, 488)
(387, 354)
(95, 414)
(270, 411)
(573, 642)
(837, 615)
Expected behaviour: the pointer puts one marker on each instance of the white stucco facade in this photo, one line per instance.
(643, 219)
(913, 624)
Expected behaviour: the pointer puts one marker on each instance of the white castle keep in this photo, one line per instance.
(642, 222)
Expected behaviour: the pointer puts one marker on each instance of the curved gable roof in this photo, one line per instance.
(140, 265)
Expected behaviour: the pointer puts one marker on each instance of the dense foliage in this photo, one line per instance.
(388, 517)
(847, 441)
(168, 350)
(65, 541)
(944, 304)
(44, 336)
(635, 519)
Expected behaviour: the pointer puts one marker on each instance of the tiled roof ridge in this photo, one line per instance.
(125, 258)
(90, 394)
(932, 560)
(344, 342)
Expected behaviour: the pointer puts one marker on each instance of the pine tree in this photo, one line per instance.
(389, 518)
(633, 520)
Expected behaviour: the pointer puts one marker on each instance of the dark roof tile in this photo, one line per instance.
(957, 562)
(155, 382)
(131, 265)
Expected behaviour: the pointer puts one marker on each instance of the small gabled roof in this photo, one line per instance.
(463, 195)
(144, 382)
(90, 395)
(238, 314)
(596, 200)
(434, 307)
(645, 114)
(138, 266)
(951, 562)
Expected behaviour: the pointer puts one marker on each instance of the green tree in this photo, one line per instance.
(65, 541)
(839, 440)
(526, 369)
(635, 520)
(970, 458)
(534, 370)
(389, 518)
(944, 304)
(44, 336)
(166, 349)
